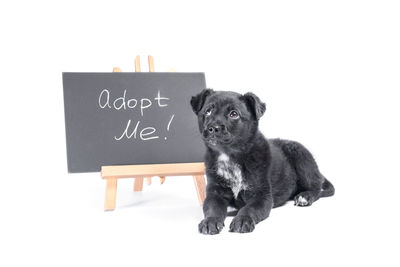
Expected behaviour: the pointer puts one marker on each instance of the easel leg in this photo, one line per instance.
(111, 194)
(138, 184)
(162, 179)
(200, 185)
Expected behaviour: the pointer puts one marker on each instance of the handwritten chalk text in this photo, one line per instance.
(133, 134)
(124, 103)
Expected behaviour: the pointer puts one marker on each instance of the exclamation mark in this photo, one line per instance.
(169, 124)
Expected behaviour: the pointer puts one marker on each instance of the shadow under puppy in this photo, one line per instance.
(244, 169)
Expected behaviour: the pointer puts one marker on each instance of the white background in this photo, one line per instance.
(327, 70)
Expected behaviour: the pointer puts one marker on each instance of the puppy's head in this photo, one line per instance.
(227, 120)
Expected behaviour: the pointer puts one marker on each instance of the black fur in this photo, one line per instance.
(272, 171)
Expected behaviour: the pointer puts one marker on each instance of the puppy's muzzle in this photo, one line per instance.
(216, 132)
(216, 129)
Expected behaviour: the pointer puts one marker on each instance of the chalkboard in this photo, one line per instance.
(130, 118)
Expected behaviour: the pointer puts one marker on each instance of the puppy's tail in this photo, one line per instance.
(327, 188)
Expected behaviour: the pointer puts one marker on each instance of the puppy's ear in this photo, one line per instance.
(198, 100)
(254, 104)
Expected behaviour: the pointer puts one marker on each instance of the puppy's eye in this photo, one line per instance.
(234, 114)
(208, 112)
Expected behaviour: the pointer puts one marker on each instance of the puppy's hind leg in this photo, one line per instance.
(309, 179)
(306, 198)
(310, 185)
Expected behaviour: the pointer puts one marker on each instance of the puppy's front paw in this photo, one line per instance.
(242, 224)
(211, 226)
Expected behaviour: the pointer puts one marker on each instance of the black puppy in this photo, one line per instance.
(244, 169)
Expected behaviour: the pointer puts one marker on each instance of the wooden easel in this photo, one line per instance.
(112, 173)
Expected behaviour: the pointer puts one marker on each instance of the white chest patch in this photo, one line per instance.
(231, 172)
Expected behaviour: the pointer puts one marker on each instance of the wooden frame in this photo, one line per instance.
(112, 173)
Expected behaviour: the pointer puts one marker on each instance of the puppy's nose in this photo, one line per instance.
(216, 128)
